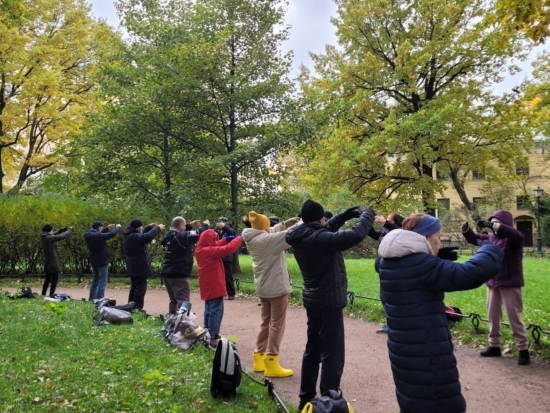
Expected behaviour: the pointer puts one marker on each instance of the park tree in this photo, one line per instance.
(198, 105)
(408, 93)
(530, 17)
(47, 60)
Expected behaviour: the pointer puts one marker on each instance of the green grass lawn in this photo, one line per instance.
(54, 362)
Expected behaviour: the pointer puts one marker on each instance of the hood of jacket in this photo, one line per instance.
(129, 230)
(44, 234)
(400, 243)
(503, 216)
(207, 238)
(300, 232)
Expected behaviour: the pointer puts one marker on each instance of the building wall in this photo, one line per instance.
(538, 176)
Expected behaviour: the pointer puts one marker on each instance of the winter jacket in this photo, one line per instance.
(209, 254)
(414, 282)
(222, 233)
(510, 241)
(97, 245)
(49, 249)
(267, 249)
(318, 251)
(138, 262)
(178, 253)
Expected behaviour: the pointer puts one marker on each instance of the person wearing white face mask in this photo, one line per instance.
(414, 279)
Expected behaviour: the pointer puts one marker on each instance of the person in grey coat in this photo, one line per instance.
(52, 268)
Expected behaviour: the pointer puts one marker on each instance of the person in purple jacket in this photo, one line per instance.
(505, 288)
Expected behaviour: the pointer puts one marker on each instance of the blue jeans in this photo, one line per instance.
(213, 315)
(99, 282)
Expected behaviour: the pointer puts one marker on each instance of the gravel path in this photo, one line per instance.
(489, 385)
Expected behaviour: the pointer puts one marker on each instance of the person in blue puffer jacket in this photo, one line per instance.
(414, 280)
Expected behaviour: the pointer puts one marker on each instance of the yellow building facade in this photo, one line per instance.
(535, 175)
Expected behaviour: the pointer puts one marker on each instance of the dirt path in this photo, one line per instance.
(489, 385)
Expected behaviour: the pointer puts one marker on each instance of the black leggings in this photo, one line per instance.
(50, 277)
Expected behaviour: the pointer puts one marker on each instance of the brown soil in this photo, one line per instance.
(489, 385)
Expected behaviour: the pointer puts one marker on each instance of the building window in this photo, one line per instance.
(522, 170)
(444, 207)
(477, 175)
(523, 202)
(478, 201)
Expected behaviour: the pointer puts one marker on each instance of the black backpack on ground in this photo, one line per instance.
(331, 401)
(453, 313)
(226, 371)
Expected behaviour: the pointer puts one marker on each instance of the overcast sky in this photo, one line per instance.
(311, 31)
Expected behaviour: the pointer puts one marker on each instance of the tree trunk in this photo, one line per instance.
(1, 170)
(459, 187)
(428, 197)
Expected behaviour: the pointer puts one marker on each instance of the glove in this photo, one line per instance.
(64, 229)
(448, 253)
(353, 212)
(482, 242)
(465, 227)
(291, 221)
(484, 224)
(228, 238)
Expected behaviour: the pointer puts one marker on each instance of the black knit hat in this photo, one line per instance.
(47, 228)
(97, 224)
(312, 211)
(136, 223)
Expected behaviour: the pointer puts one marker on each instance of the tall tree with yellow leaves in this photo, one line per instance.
(47, 52)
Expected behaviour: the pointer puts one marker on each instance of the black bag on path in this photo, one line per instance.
(330, 402)
(226, 371)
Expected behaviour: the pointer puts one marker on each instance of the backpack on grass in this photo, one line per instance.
(330, 402)
(226, 371)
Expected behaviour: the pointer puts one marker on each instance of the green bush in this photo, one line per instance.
(21, 223)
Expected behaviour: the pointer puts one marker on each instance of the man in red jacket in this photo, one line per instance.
(209, 254)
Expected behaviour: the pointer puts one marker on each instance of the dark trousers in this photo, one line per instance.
(179, 290)
(229, 283)
(52, 278)
(137, 291)
(325, 346)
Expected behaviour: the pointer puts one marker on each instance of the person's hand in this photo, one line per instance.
(482, 242)
(229, 238)
(350, 213)
(485, 224)
(465, 227)
(291, 221)
(206, 222)
(380, 219)
(161, 226)
(71, 228)
(195, 224)
(448, 253)
(118, 225)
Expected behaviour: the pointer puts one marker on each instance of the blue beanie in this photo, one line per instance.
(428, 226)
(97, 224)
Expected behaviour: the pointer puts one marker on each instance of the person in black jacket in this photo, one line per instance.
(96, 239)
(223, 229)
(138, 262)
(178, 259)
(318, 251)
(52, 267)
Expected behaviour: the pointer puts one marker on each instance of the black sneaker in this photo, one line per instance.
(491, 352)
(524, 358)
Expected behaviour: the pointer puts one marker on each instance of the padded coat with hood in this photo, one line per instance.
(510, 241)
(267, 249)
(318, 251)
(414, 281)
(49, 249)
(209, 254)
(138, 262)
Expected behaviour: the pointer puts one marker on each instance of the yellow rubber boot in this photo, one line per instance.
(259, 365)
(274, 369)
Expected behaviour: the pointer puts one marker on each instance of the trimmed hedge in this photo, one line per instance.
(22, 218)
